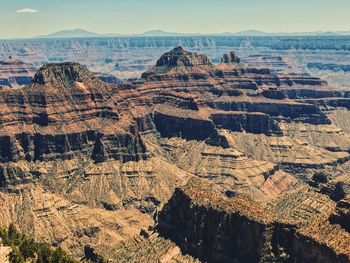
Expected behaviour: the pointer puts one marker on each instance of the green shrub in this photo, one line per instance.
(15, 238)
(28, 248)
(16, 256)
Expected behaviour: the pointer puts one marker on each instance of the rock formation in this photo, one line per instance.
(223, 229)
(230, 57)
(15, 73)
(85, 162)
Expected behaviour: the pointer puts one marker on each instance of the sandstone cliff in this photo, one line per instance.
(221, 229)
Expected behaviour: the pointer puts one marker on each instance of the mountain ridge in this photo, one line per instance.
(81, 33)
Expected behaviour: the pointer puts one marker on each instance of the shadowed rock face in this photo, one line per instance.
(112, 148)
(342, 214)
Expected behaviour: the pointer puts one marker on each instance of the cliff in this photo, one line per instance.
(221, 229)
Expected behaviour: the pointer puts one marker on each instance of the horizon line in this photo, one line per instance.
(252, 32)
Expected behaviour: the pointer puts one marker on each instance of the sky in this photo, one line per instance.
(28, 18)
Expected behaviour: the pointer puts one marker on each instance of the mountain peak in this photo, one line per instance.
(71, 33)
(62, 73)
(157, 32)
(179, 57)
(179, 60)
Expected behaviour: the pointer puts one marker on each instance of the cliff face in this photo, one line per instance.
(236, 230)
(258, 123)
(184, 125)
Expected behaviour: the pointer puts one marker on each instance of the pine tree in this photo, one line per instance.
(4, 237)
(16, 256)
(27, 248)
(13, 235)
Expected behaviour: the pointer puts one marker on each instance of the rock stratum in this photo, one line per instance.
(192, 162)
(15, 73)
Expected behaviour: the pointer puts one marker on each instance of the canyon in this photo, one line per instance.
(194, 161)
(126, 57)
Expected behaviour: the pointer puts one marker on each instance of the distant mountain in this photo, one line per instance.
(328, 34)
(81, 33)
(77, 33)
(251, 33)
(71, 33)
(160, 33)
(343, 32)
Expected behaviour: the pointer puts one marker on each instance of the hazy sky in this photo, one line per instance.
(27, 18)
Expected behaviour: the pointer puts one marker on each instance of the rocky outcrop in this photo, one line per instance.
(235, 230)
(138, 250)
(5, 253)
(62, 74)
(179, 60)
(230, 57)
(179, 57)
(53, 219)
(15, 73)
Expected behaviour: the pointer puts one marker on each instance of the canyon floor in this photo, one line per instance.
(194, 161)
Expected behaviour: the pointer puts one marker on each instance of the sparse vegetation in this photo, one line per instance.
(25, 249)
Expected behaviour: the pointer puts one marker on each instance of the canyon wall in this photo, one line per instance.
(213, 229)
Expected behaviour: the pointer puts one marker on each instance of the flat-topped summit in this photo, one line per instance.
(180, 57)
(66, 72)
(180, 61)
